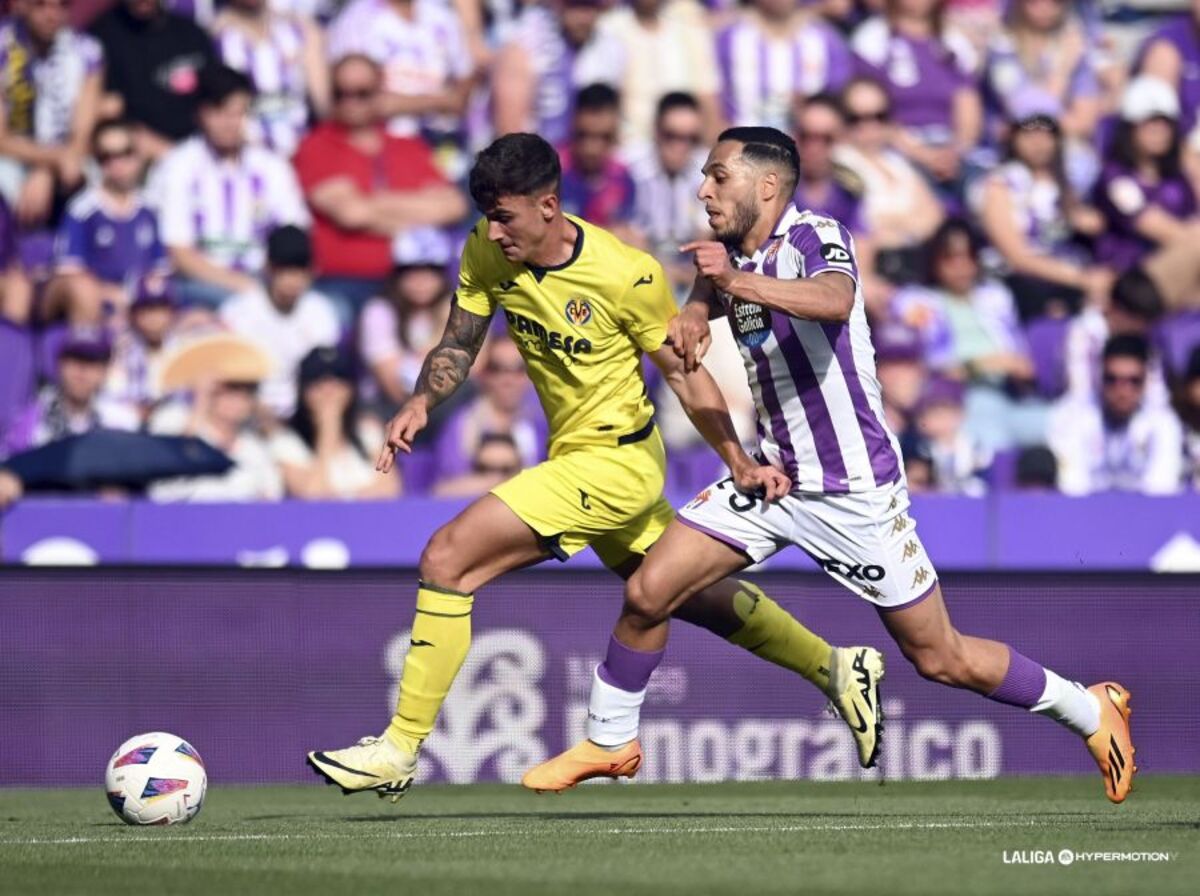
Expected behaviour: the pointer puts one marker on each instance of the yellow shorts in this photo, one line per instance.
(609, 497)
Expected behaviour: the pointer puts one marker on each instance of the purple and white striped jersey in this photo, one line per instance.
(225, 207)
(275, 63)
(762, 74)
(820, 413)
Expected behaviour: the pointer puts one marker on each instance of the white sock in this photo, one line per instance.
(613, 714)
(1069, 704)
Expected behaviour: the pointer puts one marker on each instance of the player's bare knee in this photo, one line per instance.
(644, 604)
(942, 662)
(440, 562)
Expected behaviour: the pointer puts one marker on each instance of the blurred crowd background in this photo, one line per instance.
(240, 220)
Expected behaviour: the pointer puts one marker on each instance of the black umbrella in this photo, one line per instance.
(112, 457)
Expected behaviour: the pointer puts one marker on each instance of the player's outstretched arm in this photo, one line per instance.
(444, 370)
(705, 406)
(688, 332)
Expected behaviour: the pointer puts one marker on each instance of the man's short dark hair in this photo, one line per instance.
(676, 99)
(830, 101)
(1037, 467)
(767, 146)
(597, 98)
(1127, 345)
(217, 83)
(514, 165)
(1136, 293)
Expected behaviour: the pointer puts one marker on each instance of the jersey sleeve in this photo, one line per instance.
(472, 293)
(70, 245)
(823, 245)
(648, 304)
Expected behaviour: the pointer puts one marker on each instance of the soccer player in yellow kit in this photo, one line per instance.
(582, 307)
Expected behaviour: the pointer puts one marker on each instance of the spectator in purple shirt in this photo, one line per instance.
(1143, 193)
(773, 54)
(596, 185)
(1172, 53)
(75, 403)
(929, 71)
(108, 238)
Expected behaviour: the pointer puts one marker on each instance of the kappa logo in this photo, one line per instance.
(872, 591)
(911, 549)
(835, 254)
(900, 524)
(921, 577)
(578, 311)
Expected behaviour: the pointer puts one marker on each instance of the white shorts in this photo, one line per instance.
(866, 540)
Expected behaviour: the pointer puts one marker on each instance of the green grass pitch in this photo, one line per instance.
(737, 838)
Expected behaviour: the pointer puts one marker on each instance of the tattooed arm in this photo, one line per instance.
(444, 370)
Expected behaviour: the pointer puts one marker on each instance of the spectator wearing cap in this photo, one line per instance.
(285, 316)
(423, 50)
(665, 175)
(139, 349)
(1030, 216)
(1189, 411)
(284, 55)
(1119, 443)
(901, 367)
(74, 404)
(667, 46)
(555, 50)
(596, 185)
(327, 450)
(108, 239)
(496, 459)
(399, 328)
(153, 60)
(899, 209)
(1172, 54)
(1132, 309)
(929, 70)
(503, 407)
(773, 52)
(217, 197)
(365, 186)
(986, 348)
(50, 86)
(1043, 45)
(1143, 192)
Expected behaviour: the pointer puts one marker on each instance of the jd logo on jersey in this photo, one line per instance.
(578, 311)
(835, 254)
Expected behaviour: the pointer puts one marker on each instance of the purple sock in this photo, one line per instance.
(629, 669)
(1023, 684)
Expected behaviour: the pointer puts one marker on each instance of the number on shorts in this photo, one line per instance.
(739, 502)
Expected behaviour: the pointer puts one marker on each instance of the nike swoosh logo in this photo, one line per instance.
(412, 643)
(328, 760)
(861, 727)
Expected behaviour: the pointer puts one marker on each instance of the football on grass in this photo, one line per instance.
(156, 778)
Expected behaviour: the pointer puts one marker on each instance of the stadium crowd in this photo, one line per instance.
(240, 220)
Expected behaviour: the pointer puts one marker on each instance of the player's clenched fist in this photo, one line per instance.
(401, 431)
(755, 479)
(712, 261)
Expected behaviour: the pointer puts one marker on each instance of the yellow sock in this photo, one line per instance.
(441, 635)
(772, 633)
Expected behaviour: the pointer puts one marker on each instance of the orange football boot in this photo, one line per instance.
(583, 761)
(1112, 744)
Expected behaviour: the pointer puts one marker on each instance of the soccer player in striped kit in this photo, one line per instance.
(787, 280)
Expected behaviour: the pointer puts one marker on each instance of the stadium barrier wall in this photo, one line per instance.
(1004, 531)
(255, 667)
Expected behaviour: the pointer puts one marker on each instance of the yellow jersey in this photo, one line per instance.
(581, 326)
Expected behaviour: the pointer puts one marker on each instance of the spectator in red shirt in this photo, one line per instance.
(364, 186)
